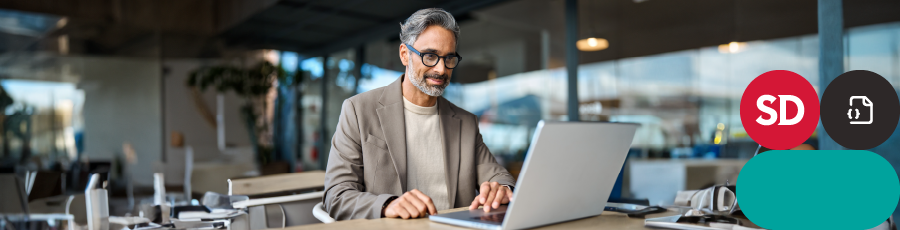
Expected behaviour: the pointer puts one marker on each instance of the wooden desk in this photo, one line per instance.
(607, 220)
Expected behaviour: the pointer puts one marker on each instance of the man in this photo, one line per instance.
(403, 151)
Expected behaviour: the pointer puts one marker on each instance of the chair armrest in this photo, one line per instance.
(321, 215)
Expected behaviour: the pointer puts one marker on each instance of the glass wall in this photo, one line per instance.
(40, 119)
(64, 102)
(343, 79)
(687, 101)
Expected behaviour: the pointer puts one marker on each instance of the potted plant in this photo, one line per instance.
(255, 85)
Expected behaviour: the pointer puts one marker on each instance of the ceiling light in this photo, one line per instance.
(732, 47)
(592, 44)
(62, 22)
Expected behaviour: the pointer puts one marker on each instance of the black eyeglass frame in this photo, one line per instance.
(440, 58)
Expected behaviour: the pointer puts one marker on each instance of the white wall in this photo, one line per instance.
(122, 104)
(183, 116)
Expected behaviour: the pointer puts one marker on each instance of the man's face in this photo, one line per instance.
(430, 80)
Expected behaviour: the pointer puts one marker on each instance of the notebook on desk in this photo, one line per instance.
(568, 174)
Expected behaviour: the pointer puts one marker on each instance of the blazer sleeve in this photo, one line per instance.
(345, 194)
(488, 168)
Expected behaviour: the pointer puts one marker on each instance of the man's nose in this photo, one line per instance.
(440, 68)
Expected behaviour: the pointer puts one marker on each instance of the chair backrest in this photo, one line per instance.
(44, 184)
(274, 211)
(13, 193)
(281, 211)
(313, 180)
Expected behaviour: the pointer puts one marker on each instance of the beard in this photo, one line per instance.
(423, 85)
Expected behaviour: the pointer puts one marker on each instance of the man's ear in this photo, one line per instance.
(404, 54)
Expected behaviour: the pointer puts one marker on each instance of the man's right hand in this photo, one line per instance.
(412, 204)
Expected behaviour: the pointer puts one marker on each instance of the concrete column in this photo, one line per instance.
(357, 66)
(831, 55)
(572, 58)
(323, 127)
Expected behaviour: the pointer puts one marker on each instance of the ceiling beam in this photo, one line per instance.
(344, 13)
(390, 28)
(302, 24)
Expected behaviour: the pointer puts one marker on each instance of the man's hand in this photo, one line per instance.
(492, 194)
(412, 204)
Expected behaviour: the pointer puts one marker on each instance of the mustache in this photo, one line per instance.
(442, 77)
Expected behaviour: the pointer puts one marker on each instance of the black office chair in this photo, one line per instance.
(16, 194)
(44, 184)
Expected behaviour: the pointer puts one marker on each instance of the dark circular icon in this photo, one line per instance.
(860, 109)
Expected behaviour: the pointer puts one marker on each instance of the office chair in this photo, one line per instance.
(270, 206)
(14, 194)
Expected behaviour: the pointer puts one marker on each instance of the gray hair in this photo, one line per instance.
(418, 21)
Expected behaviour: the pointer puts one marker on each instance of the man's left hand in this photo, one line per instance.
(492, 195)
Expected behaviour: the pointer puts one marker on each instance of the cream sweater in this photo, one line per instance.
(425, 153)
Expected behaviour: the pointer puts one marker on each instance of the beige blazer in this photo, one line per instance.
(367, 162)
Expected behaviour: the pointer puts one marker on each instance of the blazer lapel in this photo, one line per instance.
(394, 127)
(451, 128)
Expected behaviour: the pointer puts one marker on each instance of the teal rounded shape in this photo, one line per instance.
(818, 189)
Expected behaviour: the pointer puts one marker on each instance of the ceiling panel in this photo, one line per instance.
(328, 26)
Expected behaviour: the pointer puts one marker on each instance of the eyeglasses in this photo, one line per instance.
(432, 59)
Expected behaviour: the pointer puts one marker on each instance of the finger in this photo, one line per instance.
(389, 212)
(415, 201)
(413, 213)
(400, 211)
(429, 204)
(490, 196)
(474, 204)
(508, 196)
(501, 192)
(483, 192)
(400, 206)
(489, 199)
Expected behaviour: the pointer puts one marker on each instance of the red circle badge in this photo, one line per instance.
(780, 109)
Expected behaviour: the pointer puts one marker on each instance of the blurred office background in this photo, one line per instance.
(255, 87)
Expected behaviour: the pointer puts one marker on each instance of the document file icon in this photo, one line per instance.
(855, 120)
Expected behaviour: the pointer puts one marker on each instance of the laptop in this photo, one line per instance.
(569, 171)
